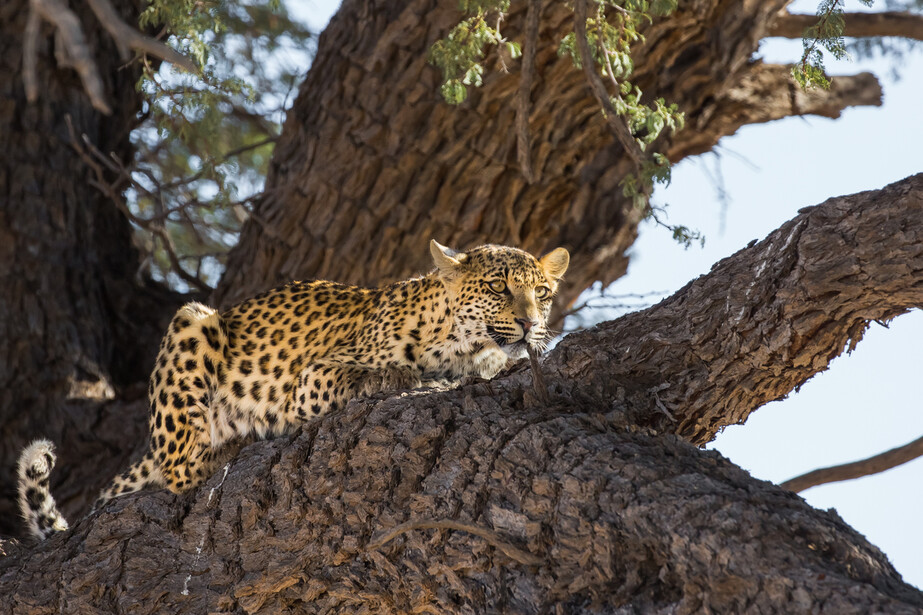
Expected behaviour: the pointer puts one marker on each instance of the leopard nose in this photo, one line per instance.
(525, 323)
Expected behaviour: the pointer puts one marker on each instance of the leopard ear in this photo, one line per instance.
(555, 263)
(447, 260)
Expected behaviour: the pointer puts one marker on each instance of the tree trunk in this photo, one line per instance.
(592, 503)
(75, 326)
(372, 163)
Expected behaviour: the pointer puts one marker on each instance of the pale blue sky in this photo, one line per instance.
(867, 402)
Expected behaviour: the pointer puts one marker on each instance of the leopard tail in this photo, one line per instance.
(36, 504)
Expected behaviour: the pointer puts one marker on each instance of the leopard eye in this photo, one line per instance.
(542, 292)
(497, 286)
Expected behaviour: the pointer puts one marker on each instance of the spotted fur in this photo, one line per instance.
(35, 501)
(291, 354)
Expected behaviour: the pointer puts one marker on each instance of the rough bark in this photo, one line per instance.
(624, 515)
(372, 164)
(75, 326)
(763, 321)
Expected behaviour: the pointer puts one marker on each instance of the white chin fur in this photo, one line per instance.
(516, 351)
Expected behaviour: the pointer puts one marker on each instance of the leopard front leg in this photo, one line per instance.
(326, 386)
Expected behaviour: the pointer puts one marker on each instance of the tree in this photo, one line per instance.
(589, 501)
(78, 328)
(600, 481)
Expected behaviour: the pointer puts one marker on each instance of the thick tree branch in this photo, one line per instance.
(768, 93)
(607, 510)
(887, 23)
(599, 514)
(762, 322)
(857, 469)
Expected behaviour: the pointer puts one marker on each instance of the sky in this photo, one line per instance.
(867, 402)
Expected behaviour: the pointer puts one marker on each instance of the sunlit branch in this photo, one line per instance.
(127, 37)
(68, 27)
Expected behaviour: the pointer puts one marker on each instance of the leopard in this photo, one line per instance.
(271, 363)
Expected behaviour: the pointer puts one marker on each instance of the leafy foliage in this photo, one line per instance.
(461, 53)
(828, 34)
(610, 40)
(203, 148)
(611, 31)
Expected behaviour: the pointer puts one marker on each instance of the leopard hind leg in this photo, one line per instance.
(190, 367)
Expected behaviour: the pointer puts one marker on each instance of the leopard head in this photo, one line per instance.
(501, 295)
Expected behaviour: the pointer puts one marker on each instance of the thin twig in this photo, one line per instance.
(538, 380)
(97, 161)
(518, 555)
(619, 129)
(814, 39)
(503, 65)
(155, 224)
(663, 408)
(856, 469)
(246, 148)
(524, 152)
(184, 213)
(591, 302)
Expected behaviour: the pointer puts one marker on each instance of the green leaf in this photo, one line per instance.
(454, 92)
